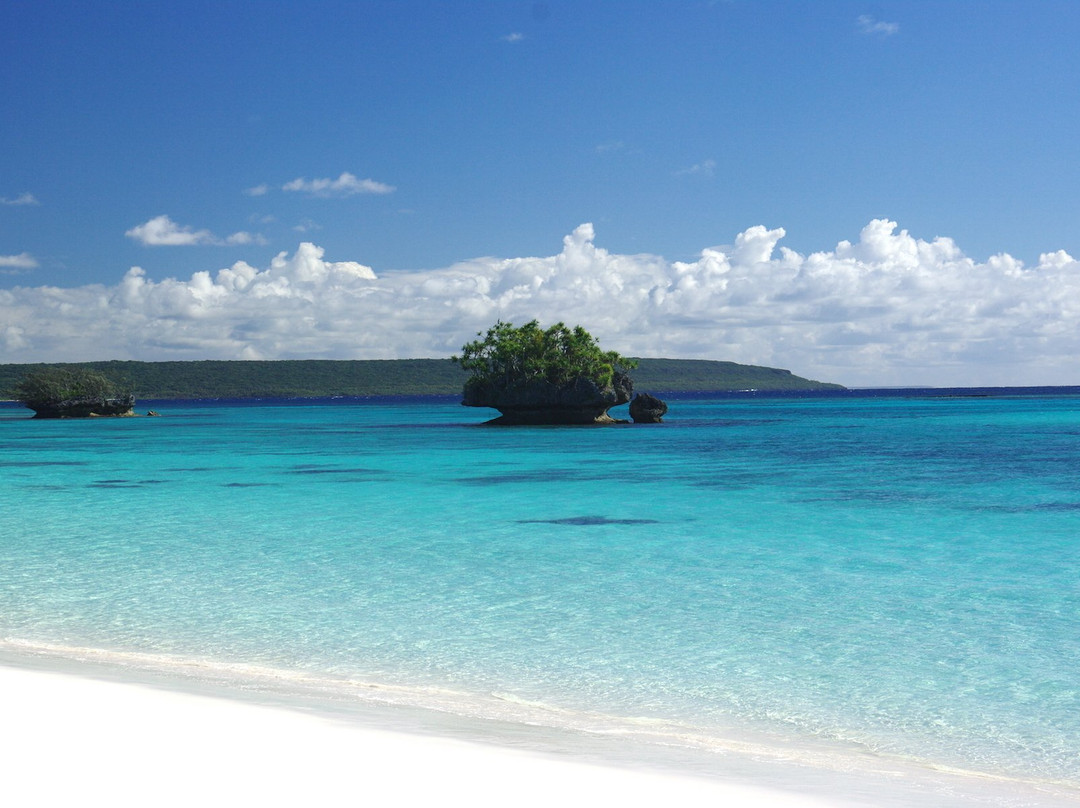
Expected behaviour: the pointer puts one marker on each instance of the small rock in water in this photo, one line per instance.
(646, 409)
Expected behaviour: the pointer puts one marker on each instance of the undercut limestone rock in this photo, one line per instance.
(85, 408)
(580, 402)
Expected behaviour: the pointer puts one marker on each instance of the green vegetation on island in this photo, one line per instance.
(79, 392)
(511, 356)
(707, 375)
(532, 375)
(311, 378)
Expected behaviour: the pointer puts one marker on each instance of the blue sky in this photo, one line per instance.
(408, 138)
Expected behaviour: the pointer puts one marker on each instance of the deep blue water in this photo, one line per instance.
(896, 572)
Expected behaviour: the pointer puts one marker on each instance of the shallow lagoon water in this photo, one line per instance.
(890, 576)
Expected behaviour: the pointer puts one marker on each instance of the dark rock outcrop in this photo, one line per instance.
(579, 402)
(88, 407)
(646, 409)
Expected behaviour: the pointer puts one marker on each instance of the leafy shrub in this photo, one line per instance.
(53, 386)
(510, 357)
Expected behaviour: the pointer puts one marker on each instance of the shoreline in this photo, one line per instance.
(137, 743)
(257, 744)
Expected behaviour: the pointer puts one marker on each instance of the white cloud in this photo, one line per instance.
(514, 37)
(345, 185)
(258, 190)
(243, 237)
(21, 199)
(868, 25)
(886, 308)
(13, 264)
(11, 339)
(161, 231)
(705, 168)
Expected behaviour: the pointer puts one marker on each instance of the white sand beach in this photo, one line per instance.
(68, 739)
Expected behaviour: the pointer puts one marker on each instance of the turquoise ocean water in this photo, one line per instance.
(842, 581)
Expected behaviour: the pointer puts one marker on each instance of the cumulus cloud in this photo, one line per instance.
(258, 190)
(13, 264)
(161, 231)
(21, 199)
(868, 25)
(886, 308)
(514, 37)
(345, 185)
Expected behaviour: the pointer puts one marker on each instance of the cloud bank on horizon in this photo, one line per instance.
(888, 309)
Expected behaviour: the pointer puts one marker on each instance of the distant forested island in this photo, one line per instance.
(317, 378)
